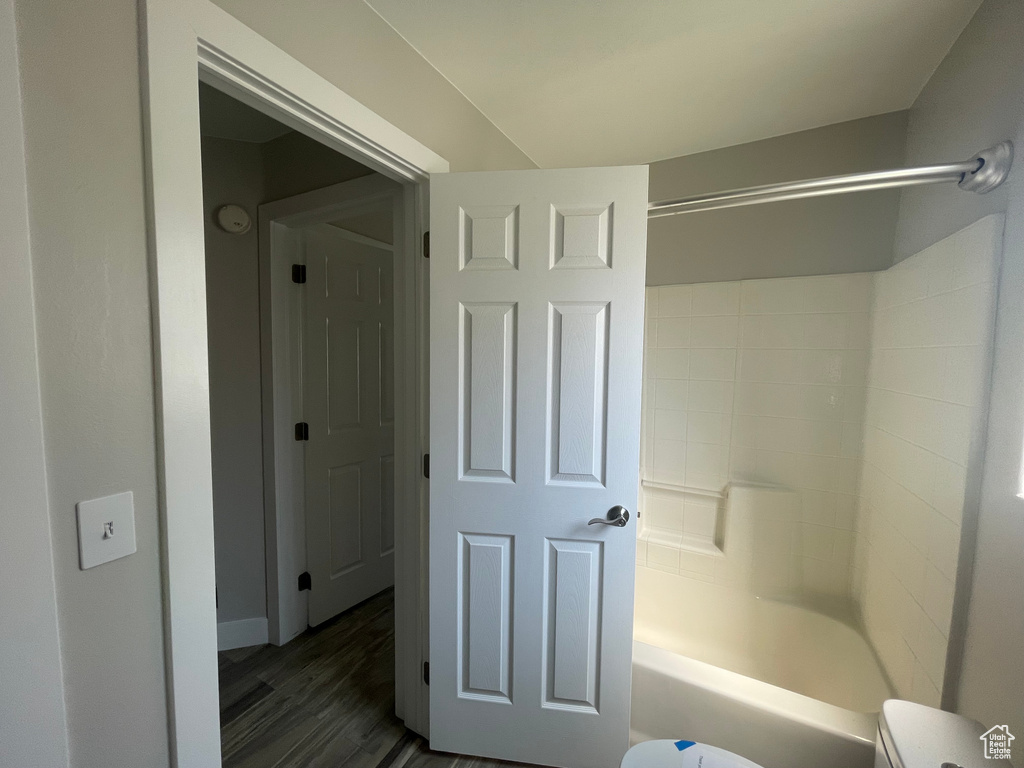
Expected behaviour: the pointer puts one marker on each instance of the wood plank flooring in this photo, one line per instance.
(324, 700)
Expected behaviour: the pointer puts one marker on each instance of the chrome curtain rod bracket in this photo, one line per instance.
(993, 168)
(982, 173)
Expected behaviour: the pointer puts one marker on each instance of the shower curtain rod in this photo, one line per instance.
(982, 173)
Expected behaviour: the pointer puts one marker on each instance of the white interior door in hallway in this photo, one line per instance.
(349, 407)
(536, 317)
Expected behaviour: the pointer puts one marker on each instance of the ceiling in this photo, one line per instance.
(223, 117)
(603, 82)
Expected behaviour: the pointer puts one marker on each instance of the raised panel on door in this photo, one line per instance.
(581, 237)
(485, 597)
(536, 304)
(487, 391)
(489, 237)
(572, 634)
(579, 395)
(343, 363)
(345, 509)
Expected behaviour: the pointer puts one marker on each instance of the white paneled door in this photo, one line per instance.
(348, 398)
(536, 344)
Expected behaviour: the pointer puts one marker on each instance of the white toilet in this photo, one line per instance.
(909, 736)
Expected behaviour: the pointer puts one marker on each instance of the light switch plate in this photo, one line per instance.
(106, 529)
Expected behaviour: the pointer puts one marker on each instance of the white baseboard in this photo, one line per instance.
(241, 633)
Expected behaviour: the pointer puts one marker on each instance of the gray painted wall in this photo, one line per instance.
(973, 100)
(83, 135)
(294, 164)
(83, 132)
(992, 676)
(829, 235)
(33, 727)
(233, 173)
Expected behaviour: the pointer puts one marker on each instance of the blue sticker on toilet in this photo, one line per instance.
(681, 745)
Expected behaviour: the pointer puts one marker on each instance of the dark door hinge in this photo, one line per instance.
(298, 273)
(426, 465)
(426, 672)
(302, 431)
(305, 581)
(426, 245)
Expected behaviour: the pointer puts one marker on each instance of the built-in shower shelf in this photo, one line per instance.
(683, 518)
(688, 490)
(688, 541)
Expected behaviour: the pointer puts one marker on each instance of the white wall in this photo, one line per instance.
(83, 131)
(33, 727)
(757, 381)
(932, 328)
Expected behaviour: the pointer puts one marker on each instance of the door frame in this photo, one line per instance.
(181, 42)
(280, 327)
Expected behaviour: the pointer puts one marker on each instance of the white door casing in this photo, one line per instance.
(536, 316)
(349, 405)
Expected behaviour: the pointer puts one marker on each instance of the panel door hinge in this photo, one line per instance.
(426, 465)
(298, 273)
(426, 245)
(305, 581)
(426, 673)
(302, 431)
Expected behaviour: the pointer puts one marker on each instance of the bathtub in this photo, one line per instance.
(781, 685)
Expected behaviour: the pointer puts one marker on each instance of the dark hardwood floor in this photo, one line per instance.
(324, 700)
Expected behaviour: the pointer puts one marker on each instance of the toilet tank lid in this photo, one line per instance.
(916, 736)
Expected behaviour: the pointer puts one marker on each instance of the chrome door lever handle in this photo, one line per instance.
(617, 516)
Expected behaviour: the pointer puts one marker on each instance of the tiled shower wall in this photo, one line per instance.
(757, 381)
(931, 350)
(768, 382)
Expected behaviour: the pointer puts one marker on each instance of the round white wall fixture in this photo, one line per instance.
(234, 219)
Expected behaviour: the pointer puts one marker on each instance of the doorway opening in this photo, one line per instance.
(300, 293)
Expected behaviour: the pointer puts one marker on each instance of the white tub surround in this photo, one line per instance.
(841, 419)
(931, 351)
(757, 381)
(750, 544)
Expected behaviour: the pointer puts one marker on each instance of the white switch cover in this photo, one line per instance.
(106, 529)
